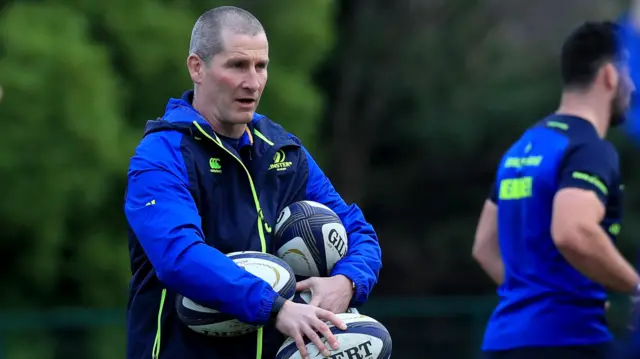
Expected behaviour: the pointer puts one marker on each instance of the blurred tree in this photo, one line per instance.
(423, 99)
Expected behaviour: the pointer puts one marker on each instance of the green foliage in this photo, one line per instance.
(62, 138)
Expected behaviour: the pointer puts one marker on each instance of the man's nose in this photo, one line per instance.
(251, 81)
(252, 85)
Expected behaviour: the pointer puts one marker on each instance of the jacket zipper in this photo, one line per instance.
(262, 225)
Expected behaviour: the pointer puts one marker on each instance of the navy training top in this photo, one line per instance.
(544, 301)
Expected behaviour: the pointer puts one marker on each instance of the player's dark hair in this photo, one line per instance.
(586, 50)
(206, 36)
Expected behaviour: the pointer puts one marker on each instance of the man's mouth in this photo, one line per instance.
(246, 101)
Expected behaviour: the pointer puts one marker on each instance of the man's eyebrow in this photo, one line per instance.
(245, 60)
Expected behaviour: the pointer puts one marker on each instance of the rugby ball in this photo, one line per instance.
(311, 238)
(211, 322)
(364, 337)
(304, 297)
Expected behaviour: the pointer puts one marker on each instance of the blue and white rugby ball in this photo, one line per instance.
(364, 337)
(311, 238)
(211, 322)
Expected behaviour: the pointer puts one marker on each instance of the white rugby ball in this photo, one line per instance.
(364, 337)
(211, 322)
(304, 297)
(311, 238)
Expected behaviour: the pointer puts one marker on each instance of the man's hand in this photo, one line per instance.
(331, 293)
(300, 320)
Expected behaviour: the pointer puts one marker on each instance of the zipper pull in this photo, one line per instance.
(264, 222)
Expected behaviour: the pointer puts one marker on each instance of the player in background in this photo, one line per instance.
(546, 234)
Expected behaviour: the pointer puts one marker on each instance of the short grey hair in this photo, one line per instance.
(206, 36)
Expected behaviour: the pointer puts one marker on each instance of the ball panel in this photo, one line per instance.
(283, 217)
(188, 304)
(335, 244)
(230, 328)
(194, 315)
(270, 268)
(296, 213)
(304, 229)
(297, 255)
(317, 205)
(272, 273)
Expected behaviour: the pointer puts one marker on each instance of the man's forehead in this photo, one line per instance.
(239, 42)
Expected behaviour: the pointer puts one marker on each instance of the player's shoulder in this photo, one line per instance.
(596, 147)
(160, 150)
(594, 156)
(160, 145)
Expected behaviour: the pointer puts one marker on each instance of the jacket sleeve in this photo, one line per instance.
(163, 215)
(363, 260)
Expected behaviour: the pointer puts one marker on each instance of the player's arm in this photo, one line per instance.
(164, 217)
(579, 207)
(363, 260)
(486, 249)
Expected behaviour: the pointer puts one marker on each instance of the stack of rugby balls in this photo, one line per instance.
(311, 239)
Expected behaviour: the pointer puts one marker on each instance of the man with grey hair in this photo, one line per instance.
(202, 184)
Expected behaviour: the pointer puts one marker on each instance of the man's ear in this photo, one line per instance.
(610, 76)
(196, 68)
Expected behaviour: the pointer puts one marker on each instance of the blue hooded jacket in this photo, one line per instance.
(191, 198)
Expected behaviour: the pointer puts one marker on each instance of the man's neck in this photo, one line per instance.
(582, 106)
(218, 126)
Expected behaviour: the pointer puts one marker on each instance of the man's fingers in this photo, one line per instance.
(323, 329)
(327, 315)
(303, 285)
(315, 339)
(300, 344)
(315, 300)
